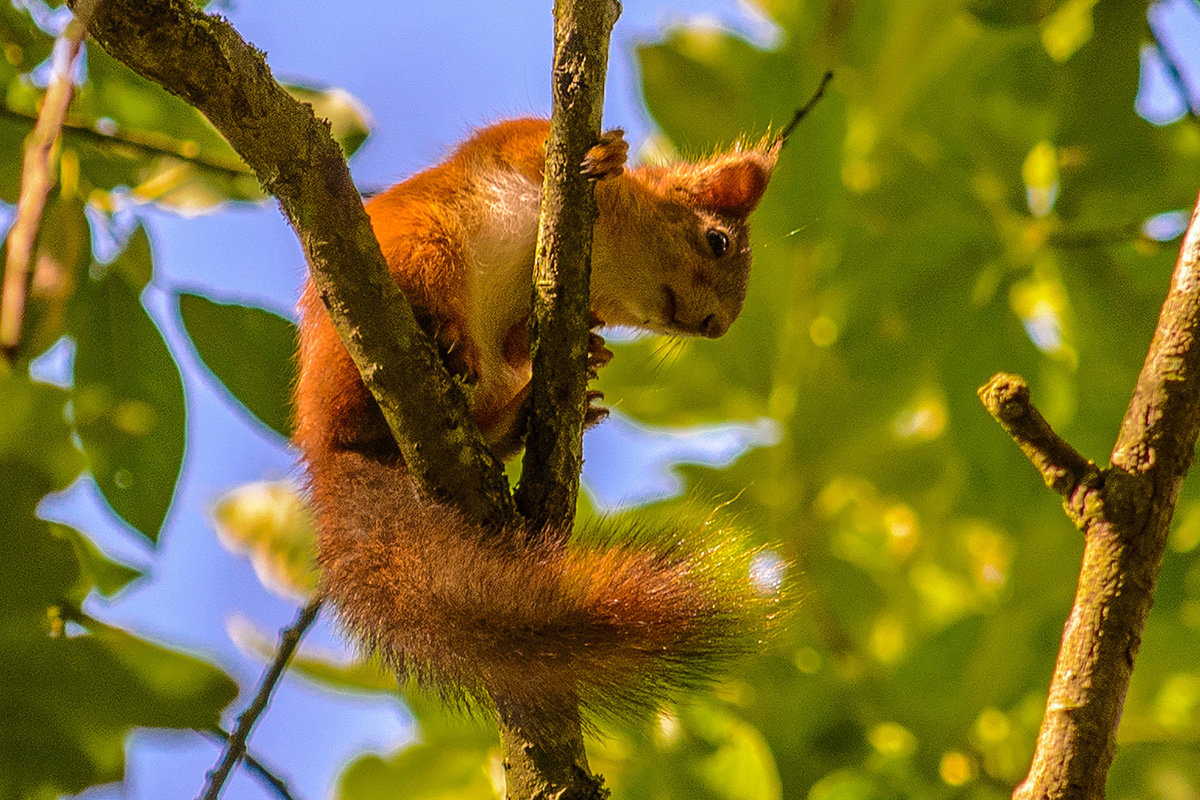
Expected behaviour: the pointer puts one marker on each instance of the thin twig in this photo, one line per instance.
(1063, 469)
(235, 748)
(803, 110)
(37, 178)
(267, 775)
(142, 141)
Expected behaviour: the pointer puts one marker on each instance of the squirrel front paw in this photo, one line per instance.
(459, 352)
(606, 159)
(598, 356)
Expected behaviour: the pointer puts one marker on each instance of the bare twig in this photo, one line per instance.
(265, 773)
(1127, 513)
(803, 110)
(203, 60)
(1063, 469)
(142, 141)
(37, 179)
(235, 747)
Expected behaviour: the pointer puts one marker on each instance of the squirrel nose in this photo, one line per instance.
(711, 327)
(679, 315)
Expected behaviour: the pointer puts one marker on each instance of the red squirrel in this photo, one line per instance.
(526, 621)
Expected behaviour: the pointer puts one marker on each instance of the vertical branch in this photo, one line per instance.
(1125, 512)
(560, 316)
(546, 757)
(37, 179)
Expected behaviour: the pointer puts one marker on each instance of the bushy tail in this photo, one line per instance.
(618, 624)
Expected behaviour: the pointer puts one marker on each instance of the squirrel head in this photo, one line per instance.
(675, 257)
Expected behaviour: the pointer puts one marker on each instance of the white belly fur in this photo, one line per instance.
(500, 250)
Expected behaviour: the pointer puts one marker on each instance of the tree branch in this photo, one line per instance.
(235, 747)
(560, 316)
(143, 141)
(36, 179)
(278, 785)
(1062, 468)
(1128, 515)
(546, 757)
(203, 60)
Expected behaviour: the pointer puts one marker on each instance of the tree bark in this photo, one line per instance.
(560, 314)
(1125, 512)
(545, 758)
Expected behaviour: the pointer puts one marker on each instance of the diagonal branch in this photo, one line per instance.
(142, 141)
(277, 784)
(1128, 513)
(203, 60)
(235, 747)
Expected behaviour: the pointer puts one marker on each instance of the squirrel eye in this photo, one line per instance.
(718, 242)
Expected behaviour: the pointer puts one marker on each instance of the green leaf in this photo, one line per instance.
(35, 437)
(250, 351)
(99, 571)
(426, 771)
(78, 697)
(128, 395)
(701, 750)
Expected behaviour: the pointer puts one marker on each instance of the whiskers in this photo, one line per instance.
(665, 350)
(778, 239)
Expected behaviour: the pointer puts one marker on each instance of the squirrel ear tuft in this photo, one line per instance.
(735, 185)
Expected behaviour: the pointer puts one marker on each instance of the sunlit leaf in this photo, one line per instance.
(270, 523)
(349, 122)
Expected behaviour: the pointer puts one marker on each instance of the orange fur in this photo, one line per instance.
(526, 621)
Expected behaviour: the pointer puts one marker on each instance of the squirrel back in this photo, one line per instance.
(518, 618)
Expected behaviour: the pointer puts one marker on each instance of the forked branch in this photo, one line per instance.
(1125, 512)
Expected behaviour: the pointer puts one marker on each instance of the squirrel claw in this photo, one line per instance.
(459, 353)
(598, 354)
(606, 159)
(595, 414)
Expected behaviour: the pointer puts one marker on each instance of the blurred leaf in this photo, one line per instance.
(349, 122)
(107, 576)
(250, 351)
(25, 45)
(270, 523)
(699, 751)
(35, 437)
(72, 701)
(128, 396)
(426, 771)
(64, 250)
